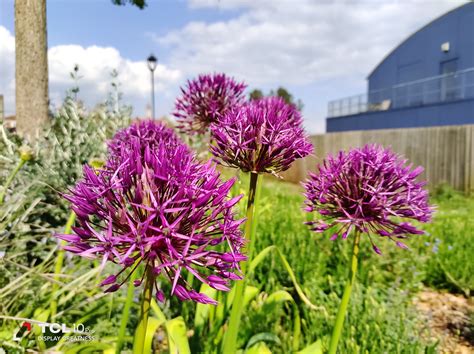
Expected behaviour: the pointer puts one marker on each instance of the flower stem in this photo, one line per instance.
(10, 179)
(125, 314)
(59, 264)
(341, 313)
(140, 333)
(229, 344)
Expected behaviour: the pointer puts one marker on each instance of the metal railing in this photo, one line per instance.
(435, 89)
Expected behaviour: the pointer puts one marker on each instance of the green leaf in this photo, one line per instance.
(151, 327)
(177, 337)
(258, 258)
(453, 281)
(94, 347)
(157, 311)
(125, 313)
(277, 298)
(274, 300)
(249, 295)
(217, 313)
(176, 330)
(71, 289)
(315, 348)
(259, 348)
(296, 327)
(202, 310)
(262, 337)
(295, 283)
(256, 261)
(41, 315)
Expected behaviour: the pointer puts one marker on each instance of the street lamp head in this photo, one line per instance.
(152, 61)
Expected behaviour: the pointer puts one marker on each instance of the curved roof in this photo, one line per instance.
(415, 33)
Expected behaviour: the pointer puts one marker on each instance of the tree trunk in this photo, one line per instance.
(31, 67)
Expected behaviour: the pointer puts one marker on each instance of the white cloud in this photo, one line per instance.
(297, 41)
(227, 4)
(319, 50)
(95, 65)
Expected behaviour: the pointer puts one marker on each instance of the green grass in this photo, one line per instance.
(450, 247)
(381, 318)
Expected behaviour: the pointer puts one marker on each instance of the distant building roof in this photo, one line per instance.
(418, 31)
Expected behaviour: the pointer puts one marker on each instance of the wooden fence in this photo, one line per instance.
(446, 153)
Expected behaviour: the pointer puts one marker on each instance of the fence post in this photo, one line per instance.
(469, 160)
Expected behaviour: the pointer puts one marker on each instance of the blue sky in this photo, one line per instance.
(99, 22)
(319, 50)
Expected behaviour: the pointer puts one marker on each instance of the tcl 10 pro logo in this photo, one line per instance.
(55, 331)
(25, 327)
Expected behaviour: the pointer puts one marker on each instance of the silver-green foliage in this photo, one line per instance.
(33, 208)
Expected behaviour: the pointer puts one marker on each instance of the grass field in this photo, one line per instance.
(382, 316)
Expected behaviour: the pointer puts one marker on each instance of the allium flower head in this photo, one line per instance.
(147, 133)
(205, 99)
(369, 190)
(265, 135)
(163, 209)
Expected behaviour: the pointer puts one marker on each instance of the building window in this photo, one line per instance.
(450, 81)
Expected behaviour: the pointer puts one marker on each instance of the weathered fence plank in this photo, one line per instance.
(446, 153)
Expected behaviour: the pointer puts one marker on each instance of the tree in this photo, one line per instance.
(283, 93)
(280, 92)
(141, 4)
(255, 94)
(31, 67)
(31, 64)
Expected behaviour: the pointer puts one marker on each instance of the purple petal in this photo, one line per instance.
(109, 280)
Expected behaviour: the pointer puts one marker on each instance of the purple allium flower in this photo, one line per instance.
(265, 135)
(147, 133)
(368, 190)
(163, 209)
(205, 99)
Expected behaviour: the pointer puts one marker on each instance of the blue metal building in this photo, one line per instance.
(428, 80)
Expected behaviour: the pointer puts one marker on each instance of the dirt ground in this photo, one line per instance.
(449, 319)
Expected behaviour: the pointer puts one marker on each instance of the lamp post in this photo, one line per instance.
(152, 61)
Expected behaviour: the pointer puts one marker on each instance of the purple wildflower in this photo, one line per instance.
(368, 190)
(163, 209)
(147, 133)
(265, 135)
(205, 99)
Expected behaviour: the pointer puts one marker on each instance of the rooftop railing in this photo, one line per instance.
(436, 89)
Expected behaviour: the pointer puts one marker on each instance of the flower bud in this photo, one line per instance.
(26, 153)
